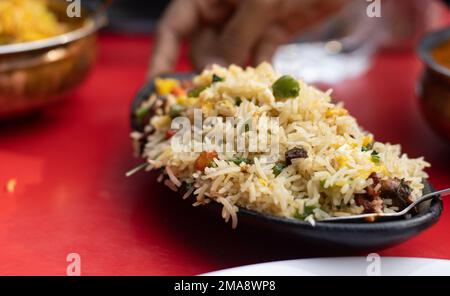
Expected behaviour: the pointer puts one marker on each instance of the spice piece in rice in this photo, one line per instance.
(294, 153)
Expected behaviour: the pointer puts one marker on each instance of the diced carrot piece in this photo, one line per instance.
(178, 91)
(204, 160)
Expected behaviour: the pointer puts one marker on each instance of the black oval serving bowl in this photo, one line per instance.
(330, 235)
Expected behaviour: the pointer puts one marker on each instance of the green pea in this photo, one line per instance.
(286, 87)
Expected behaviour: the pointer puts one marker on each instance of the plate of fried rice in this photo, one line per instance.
(270, 150)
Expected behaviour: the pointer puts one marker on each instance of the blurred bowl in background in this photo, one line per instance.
(35, 74)
(433, 88)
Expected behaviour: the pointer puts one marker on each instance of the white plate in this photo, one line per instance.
(356, 266)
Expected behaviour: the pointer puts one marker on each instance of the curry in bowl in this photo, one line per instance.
(434, 85)
(441, 54)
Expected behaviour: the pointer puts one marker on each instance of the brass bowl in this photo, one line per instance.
(35, 74)
(434, 86)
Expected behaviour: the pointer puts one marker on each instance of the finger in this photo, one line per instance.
(203, 51)
(165, 53)
(246, 27)
(301, 15)
(271, 40)
(180, 19)
(264, 53)
(215, 11)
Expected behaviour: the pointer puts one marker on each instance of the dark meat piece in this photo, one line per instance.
(370, 204)
(376, 179)
(397, 190)
(371, 200)
(297, 152)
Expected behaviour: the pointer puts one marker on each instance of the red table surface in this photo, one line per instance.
(72, 196)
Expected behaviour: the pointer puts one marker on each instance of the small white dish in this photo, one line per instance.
(344, 266)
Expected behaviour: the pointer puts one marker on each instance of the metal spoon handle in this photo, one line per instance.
(396, 214)
(426, 197)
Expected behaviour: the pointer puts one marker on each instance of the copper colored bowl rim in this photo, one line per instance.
(428, 43)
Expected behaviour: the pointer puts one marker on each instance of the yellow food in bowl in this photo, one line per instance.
(441, 54)
(27, 20)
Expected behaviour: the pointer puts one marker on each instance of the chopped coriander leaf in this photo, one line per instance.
(175, 111)
(367, 147)
(286, 87)
(375, 157)
(195, 93)
(322, 183)
(216, 78)
(278, 168)
(308, 210)
(212, 164)
(239, 160)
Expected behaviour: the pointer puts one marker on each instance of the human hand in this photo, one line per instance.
(232, 31)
